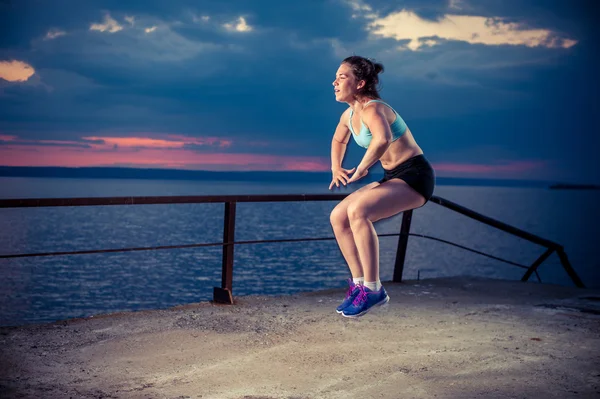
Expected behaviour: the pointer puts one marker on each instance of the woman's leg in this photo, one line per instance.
(385, 200)
(343, 232)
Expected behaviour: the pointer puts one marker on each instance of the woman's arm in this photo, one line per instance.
(339, 143)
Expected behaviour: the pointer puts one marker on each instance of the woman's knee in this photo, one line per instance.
(356, 211)
(339, 217)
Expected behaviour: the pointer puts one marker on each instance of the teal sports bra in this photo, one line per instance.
(363, 138)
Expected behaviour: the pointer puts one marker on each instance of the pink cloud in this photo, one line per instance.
(171, 151)
(223, 143)
(301, 164)
(506, 167)
(180, 158)
(109, 143)
(170, 141)
(15, 71)
(136, 142)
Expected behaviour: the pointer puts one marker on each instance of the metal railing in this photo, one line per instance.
(223, 294)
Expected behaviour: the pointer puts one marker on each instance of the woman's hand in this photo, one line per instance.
(340, 175)
(359, 174)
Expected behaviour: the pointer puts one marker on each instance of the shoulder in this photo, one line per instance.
(373, 110)
(345, 117)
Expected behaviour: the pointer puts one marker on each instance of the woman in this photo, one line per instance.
(407, 183)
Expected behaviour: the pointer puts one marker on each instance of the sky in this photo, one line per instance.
(489, 88)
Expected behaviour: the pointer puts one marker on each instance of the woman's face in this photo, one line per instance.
(345, 85)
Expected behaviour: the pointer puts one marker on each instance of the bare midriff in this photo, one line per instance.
(400, 151)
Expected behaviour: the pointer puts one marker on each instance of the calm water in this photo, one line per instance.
(51, 288)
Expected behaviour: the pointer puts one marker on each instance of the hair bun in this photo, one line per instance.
(378, 67)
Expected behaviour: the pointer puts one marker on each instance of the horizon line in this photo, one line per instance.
(197, 172)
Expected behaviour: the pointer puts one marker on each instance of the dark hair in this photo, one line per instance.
(367, 70)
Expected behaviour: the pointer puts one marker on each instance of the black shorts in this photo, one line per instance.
(416, 172)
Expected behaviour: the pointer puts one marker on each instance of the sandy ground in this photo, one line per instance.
(439, 338)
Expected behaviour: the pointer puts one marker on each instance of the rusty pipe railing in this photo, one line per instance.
(224, 294)
(550, 245)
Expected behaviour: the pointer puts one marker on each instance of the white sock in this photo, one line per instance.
(358, 280)
(373, 285)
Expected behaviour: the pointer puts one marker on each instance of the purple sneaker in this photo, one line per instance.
(350, 295)
(365, 301)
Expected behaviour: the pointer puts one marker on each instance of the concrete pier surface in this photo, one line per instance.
(439, 338)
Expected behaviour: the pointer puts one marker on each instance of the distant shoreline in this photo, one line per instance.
(563, 186)
(250, 176)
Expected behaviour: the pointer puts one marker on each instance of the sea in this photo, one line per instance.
(51, 288)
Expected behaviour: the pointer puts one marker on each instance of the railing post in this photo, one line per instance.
(568, 268)
(402, 243)
(537, 263)
(224, 294)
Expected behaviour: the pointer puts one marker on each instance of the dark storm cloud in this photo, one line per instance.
(199, 69)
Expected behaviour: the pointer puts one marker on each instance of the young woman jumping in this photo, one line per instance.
(408, 180)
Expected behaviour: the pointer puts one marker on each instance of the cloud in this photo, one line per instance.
(54, 33)
(408, 26)
(17, 142)
(239, 25)
(507, 167)
(361, 8)
(171, 141)
(130, 19)
(180, 158)
(201, 18)
(201, 141)
(109, 25)
(161, 150)
(131, 142)
(15, 71)
(108, 143)
(132, 50)
(456, 4)
(174, 152)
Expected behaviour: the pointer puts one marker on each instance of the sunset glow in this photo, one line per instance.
(510, 166)
(158, 153)
(173, 157)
